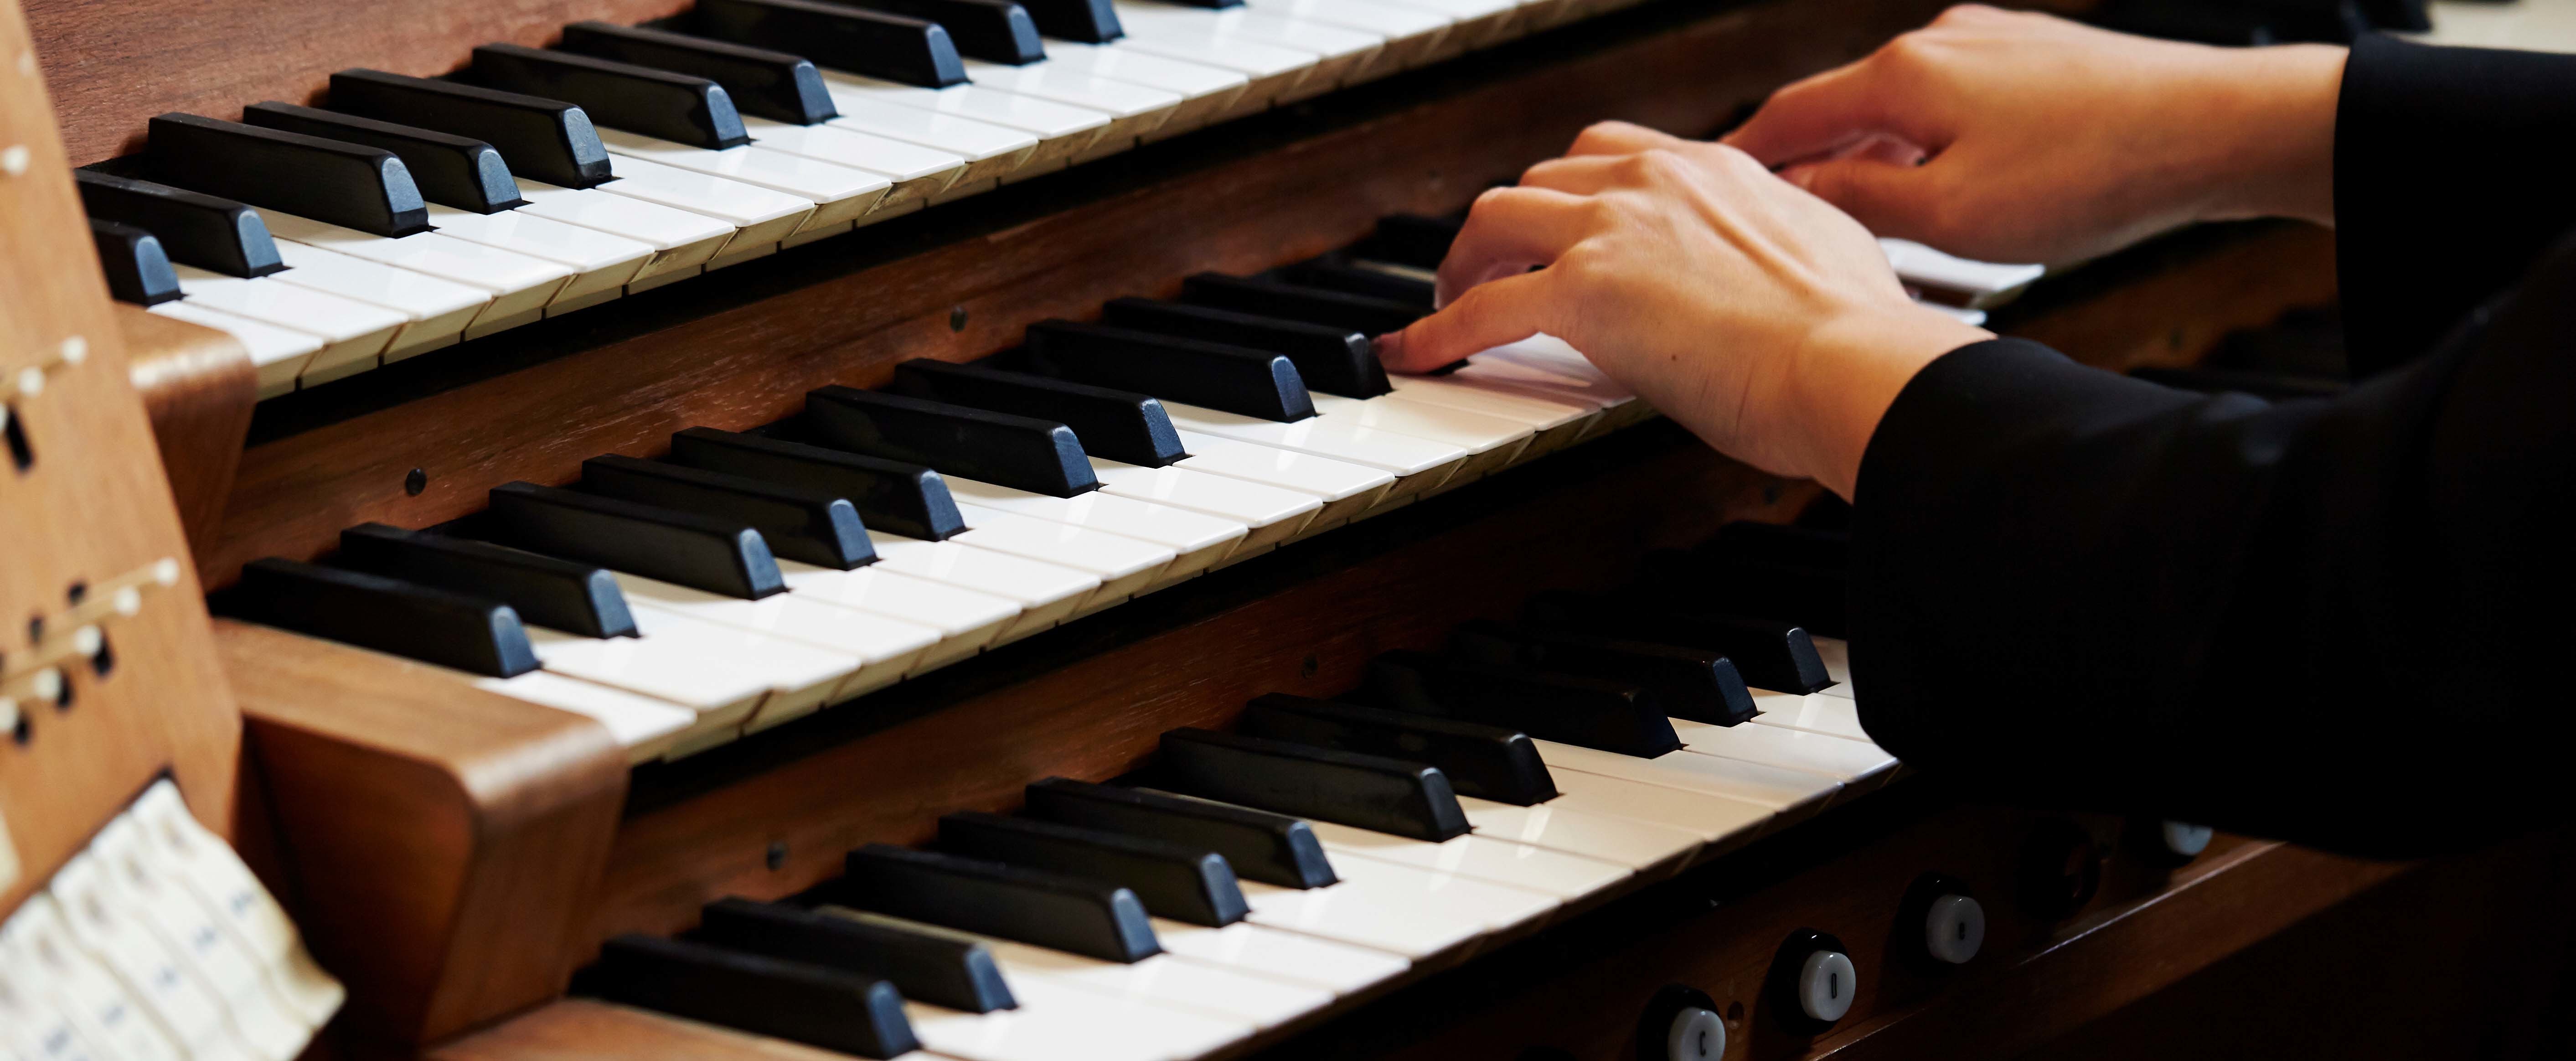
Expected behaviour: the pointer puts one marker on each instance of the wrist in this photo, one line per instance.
(2278, 105)
(1845, 375)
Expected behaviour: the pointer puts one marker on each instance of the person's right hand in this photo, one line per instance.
(2008, 136)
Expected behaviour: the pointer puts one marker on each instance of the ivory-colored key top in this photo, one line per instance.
(1341, 55)
(1402, 909)
(277, 354)
(1482, 858)
(1853, 762)
(1552, 356)
(1207, 92)
(917, 172)
(1057, 1023)
(1556, 422)
(965, 619)
(681, 240)
(1134, 110)
(1273, 73)
(840, 194)
(1477, 23)
(1164, 982)
(874, 651)
(1124, 565)
(1813, 712)
(1336, 967)
(1198, 541)
(1791, 794)
(642, 725)
(1346, 489)
(1046, 593)
(1491, 442)
(1642, 846)
(1414, 36)
(1418, 464)
(1721, 823)
(521, 286)
(1063, 131)
(991, 151)
(436, 310)
(602, 264)
(1836, 655)
(760, 216)
(679, 661)
(1273, 515)
(354, 334)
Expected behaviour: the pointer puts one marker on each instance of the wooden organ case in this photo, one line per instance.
(457, 852)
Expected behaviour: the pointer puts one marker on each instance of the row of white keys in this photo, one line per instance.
(682, 241)
(1857, 763)
(842, 652)
(1271, 514)
(1339, 968)
(1975, 283)
(1790, 795)
(436, 311)
(1046, 593)
(840, 195)
(761, 217)
(1491, 442)
(674, 659)
(1406, 910)
(1487, 858)
(1062, 131)
(1134, 110)
(1208, 93)
(601, 264)
(1414, 35)
(1270, 74)
(1546, 361)
(1812, 712)
(1160, 980)
(917, 172)
(990, 151)
(1641, 846)
(966, 620)
(1721, 822)
(1058, 1023)
(1197, 541)
(1344, 489)
(520, 286)
(1557, 422)
(277, 354)
(1418, 465)
(1337, 55)
(353, 333)
(1125, 566)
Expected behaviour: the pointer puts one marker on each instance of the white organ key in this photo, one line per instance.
(644, 726)
(1403, 910)
(840, 194)
(47, 973)
(1058, 1023)
(278, 354)
(1207, 92)
(1341, 55)
(190, 1011)
(1135, 110)
(875, 651)
(1062, 130)
(1792, 794)
(1346, 489)
(802, 677)
(682, 241)
(1554, 382)
(1722, 823)
(760, 216)
(1047, 593)
(353, 333)
(966, 620)
(991, 151)
(1124, 565)
(1197, 540)
(1556, 421)
(1479, 23)
(673, 662)
(236, 979)
(1835, 653)
(917, 172)
(437, 310)
(1413, 35)
(1813, 712)
(1482, 858)
(1418, 464)
(1550, 357)
(1856, 762)
(1273, 73)
(1638, 845)
(207, 866)
(521, 286)
(1272, 515)
(601, 264)
(1491, 442)
(1976, 283)
(1336, 967)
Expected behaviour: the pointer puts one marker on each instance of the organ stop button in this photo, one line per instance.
(1680, 1024)
(1953, 923)
(1812, 981)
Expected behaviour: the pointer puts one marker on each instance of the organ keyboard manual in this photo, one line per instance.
(558, 530)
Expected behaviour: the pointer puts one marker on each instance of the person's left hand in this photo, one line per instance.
(1758, 316)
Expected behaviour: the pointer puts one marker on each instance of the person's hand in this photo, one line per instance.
(1753, 313)
(2019, 137)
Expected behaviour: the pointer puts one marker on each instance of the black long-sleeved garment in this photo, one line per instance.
(2350, 622)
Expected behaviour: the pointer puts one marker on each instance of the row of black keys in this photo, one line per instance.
(389, 144)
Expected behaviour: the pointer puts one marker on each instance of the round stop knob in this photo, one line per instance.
(1954, 928)
(1680, 1024)
(1813, 982)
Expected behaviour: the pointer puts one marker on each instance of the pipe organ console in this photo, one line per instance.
(793, 528)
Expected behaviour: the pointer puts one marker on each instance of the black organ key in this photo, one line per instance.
(1409, 240)
(675, 107)
(1352, 279)
(1262, 846)
(993, 30)
(719, 556)
(1698, 684)
(1191, 884)
(1119, 425)
(450, 170)
(542, 139)
(892, 496)
(770, 84)
(1488, 762)
(892, 47)
(1040, 456)
(1231, 379)
(1364, 791)
(1571, 709)
(799, 523)
(1771, 654)
(138, 269)
(1271, 298)
(351, 185)
(1329, 359)
(925, 966)
(569, 596)
(797, 1001)
(194, 228)
(1087, 917)
(432, 625)
(1086, 21)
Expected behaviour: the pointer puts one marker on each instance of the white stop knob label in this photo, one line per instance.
(1697, 1035)
(1954, 929)
(1825, 984)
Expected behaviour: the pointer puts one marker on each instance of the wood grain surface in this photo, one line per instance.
(198, 387)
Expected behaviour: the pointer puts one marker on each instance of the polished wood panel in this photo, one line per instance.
(442, 845)
(741, 347)
(582, 1030)
(92, 507)
(198, 388)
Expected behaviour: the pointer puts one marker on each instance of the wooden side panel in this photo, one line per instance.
(198, 387)
(442, 844)
(582, 1030)
(89, 508)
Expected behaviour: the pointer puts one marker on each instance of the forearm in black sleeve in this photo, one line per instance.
(2452, 172)
(2340, 622)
